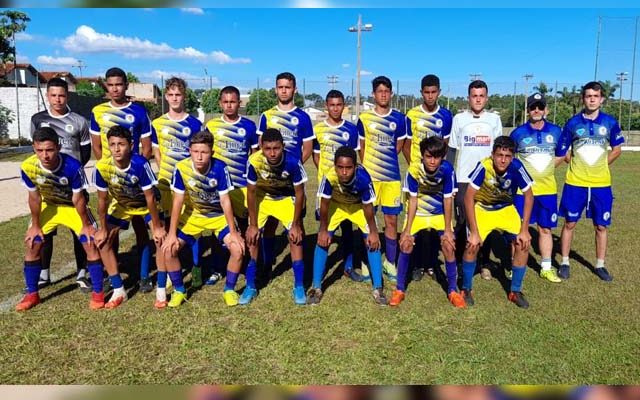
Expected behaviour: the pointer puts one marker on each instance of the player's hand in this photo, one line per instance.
(407, 240)
(448, 237)
(373, 241)
(235, 239)
(524, 240)
(158, 234)
(100, 237)
(474, 241)
(252, 235)
(170, 245)
(32, 233)
(324, 239)
(295, 234)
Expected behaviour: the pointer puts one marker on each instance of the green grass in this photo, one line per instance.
(580, 331)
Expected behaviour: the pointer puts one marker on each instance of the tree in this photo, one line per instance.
(154, 110)
(11, 22)
(6, 118)
(260, 100)
(86, 88)
(609, 89)
(131, 78)
(543, 89)
(209, 101)
(191, 102)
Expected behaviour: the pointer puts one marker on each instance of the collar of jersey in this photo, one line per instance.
(118, 108)
(232, 123)
(120, 169)
(293, 109)
(177, 120)
(595, 121)
(334, 126)
(427, 112)
(373, 110)
(55, 170)
(532, 129)
(61, 116)
(193, 167)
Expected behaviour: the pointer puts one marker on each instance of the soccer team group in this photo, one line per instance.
(240, 181)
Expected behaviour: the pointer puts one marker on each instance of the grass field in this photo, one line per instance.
(579, 331)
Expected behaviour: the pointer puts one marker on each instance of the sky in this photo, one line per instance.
(249, 46)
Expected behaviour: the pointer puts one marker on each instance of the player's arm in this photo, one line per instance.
(146, 147)
(361, 137)
(614, 154)
(35, 208)
(96, 145)
(157, 227)
(253, 232)
(157, 156)
(85, 143)
(558, 160)
(411, 215)
(316, 152)
(307, 150)
(406, 150)
(103, 202)
(373, 238)
(85, 153)
(524, 238)
(146, 129)
(296, 227)
(155, 147)
(171, 244)
(448, 217)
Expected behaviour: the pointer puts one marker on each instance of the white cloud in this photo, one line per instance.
(311, 4)
(22, 59)
(87, 40)
(160, 74)
(346, 65)
(60, 61)
(365, 73)
(195, 11)
(24, 37)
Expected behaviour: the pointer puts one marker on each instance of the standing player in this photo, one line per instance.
(170, 138)
(472, 134)
(426, 120)
(201, 202)
(489, 206)
(297, 131)
(56, 182)
(275, 188)
(73, 131)
(120, 111)
(538, 147)
(588, 182)
(382, 134)
(331, 134)
(431, 184)
(128, 181)
(347, 195)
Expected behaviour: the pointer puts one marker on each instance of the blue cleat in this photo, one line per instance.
(353, 275)
(604, 274)
(299, 297)
(563, 271)
(247, 296)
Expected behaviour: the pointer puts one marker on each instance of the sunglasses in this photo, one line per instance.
(537, 106)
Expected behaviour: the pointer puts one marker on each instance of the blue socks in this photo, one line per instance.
(403, 268)
(517, 278)
(298, 273)
(31, 275)
(232, 279)
(195, 253)
(145, 260)
(319, 264)
(391, 248)
(375, 265)
(161, 279)
(116, 281)
(452, 276)
(250, 273)
(468, 270)
(176, 280)
(95, 272)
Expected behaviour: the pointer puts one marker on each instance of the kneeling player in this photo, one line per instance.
(275, 188)
(431, 184)
(56, 183)
(202, 185)
(489, 206)
(347, 195)
(128, 180)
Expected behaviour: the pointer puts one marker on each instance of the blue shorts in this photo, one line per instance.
(597, 201)
(544, 211)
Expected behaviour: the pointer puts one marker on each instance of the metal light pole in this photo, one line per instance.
(15, 78)
(475, 76)
(633, 74)
(621, 77)
(358, 29)
(526, 91)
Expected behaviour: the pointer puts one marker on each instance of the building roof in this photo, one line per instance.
(68, 76)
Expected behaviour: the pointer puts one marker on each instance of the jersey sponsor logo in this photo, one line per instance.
(580, 131)
(393, 126)
(68, 128)
(602, 130)
(130, 118)
(480, 140)
(64, 181)
(242, 131)
(549, 138)
(213, 182)
(439, 123)
(526, 140)
(186, 131)
(295, 120)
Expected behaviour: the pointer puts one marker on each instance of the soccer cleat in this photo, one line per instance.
(42, 283)
(431, 273)
(196, 277)
(29, 300)
(247, 296)
(314, 295)
(83, 284)
(366, 276)
(115, 301)
(457, 300)
(389, 270)
(564, 271)
(213, 279)
(177, 298)
(97, 301)
(379, 297)
(508, 273)
(550, 275)
(298, 296)
(417, 275)
(485, 273)
(230, 297)
(518, 299)
(146, 285)
(604, 274)
(396, 298)
(160, 304)
(353, 275)
(468, 297)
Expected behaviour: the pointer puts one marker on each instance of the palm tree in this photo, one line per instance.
(543, 89)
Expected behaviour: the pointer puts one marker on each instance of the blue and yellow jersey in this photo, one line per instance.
(422, 124)
(589, 141)
(232, 143)
(55, 187)
(330, 138)
(172, 138)
(430, 188)
(537, 149)
(381, 134)
(494, 191)
(275, 181)
(201, 191)
(294, 125)
(357, 191)
(125, 186)
(133, 116)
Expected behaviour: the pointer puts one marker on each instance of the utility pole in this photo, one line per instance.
(633, 74)
(332, 80)
(595, 72)
(80, 67)
(358, 29)
(526, 91)
(621, 77)
(475, 76)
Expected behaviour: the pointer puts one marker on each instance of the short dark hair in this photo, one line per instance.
(381, 80)
(434, 145)
(120, 132)
(177, 82)
(286, 75)
(117, 72)
(504, 142)
(58, 82)
(593, 85)
(272, 135)
(345, 151)
(430, 80)
(45, 134)
(203, 137)
(478, 84)
(334, 94)
(229, 90)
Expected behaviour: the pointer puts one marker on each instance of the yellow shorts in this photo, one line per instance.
(191, 227)
(120, 216)
(238, 198)
(506, 220)
(342, 212)
(53, 215)
(425, 222)
(166, 201)
(389, 196)
(283, 210)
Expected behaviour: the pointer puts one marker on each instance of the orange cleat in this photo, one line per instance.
(160, 304)
(29, 300)
(457, 300)
(396, 298)
(115, 302)
(97, 301)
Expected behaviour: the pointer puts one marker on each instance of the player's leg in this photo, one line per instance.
(81, 264)
(143, 244)
(234, 265)
(572, 203)
(337, 217)
(31, 270)
(174, 271)
(520, 257)
(398, 294)
(485, 222)
(96, 270)
(268, 243)
(46, 254)
(451, 269)
(110, 261)
(600, 213)
(250, 291)
(391, 246)
(460, 230)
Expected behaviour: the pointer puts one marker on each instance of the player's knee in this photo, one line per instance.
(600, 228)
(569, 226)
(447, 251)
(471, 252)
(545, 231)
(33, 252)
(406, 247)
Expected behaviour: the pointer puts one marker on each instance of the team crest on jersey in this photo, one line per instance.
(68, 128)
(295, 120)
(580, 131)
(64, 181)
(242, 131)
(393, 126)
(439, 123)
(134, 179)
(345, 135)
(186, 131)
(285, 174)
(602, 130)
(213, 182)
(506, 184)
(527, 140)
(41, 180)
(130, 118)
(264, 174)
(192, 182)
(549, 138)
